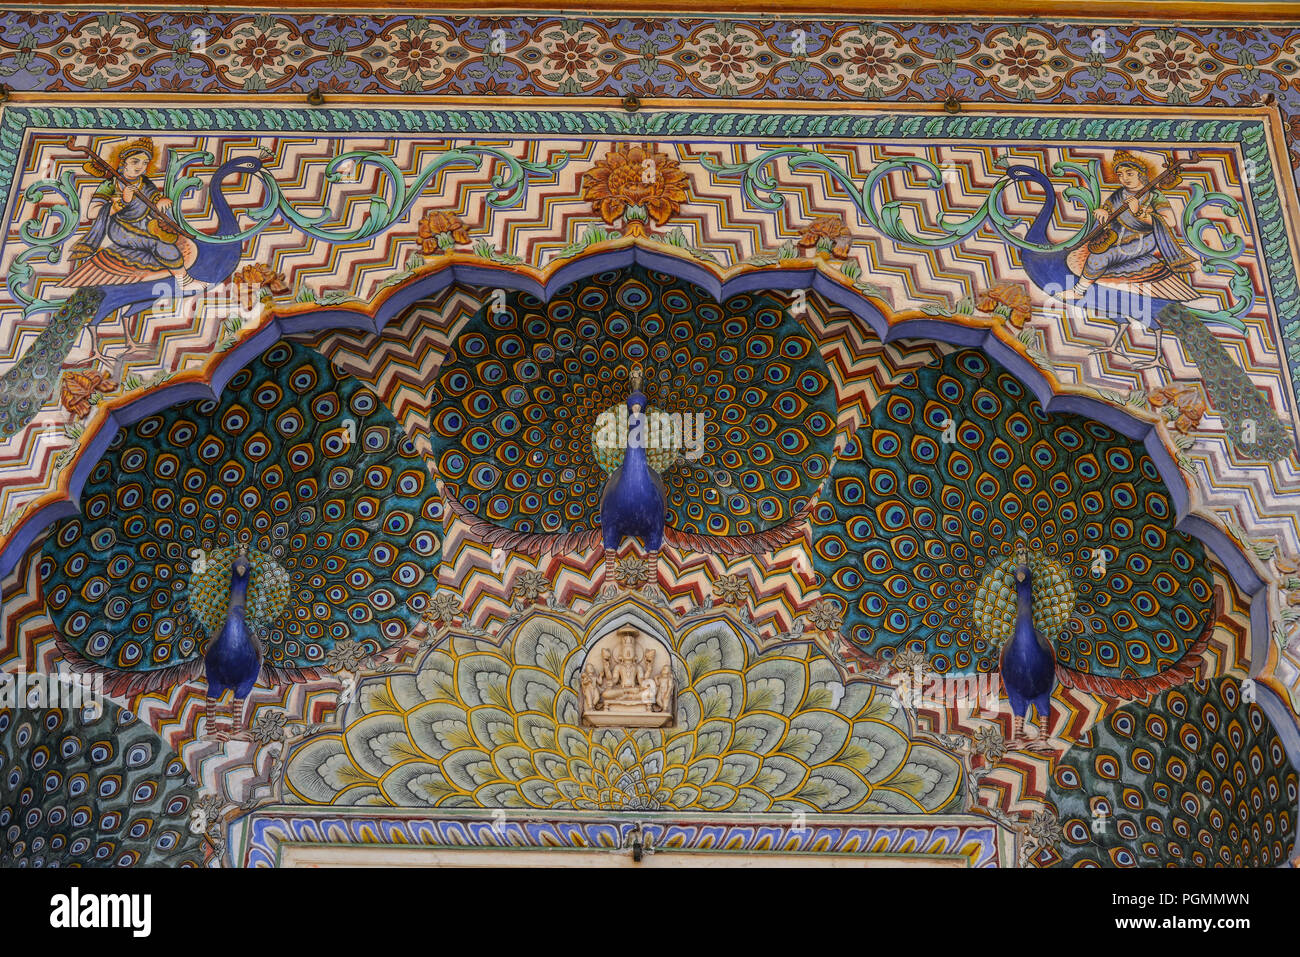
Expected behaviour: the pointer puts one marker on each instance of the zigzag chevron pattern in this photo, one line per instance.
(715, 220)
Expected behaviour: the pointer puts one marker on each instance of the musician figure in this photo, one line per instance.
(131, 238)
(1140, 251)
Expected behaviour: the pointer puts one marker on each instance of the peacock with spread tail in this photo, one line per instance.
(279, 531)
(526, 402)
(968, 523)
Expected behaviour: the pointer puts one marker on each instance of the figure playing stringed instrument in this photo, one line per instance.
(1136, 247)
(131, 236)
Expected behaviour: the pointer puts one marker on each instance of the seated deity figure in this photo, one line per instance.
(625, 687)
(625, 684)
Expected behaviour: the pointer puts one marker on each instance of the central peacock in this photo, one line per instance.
(525, 400)
(245, 538)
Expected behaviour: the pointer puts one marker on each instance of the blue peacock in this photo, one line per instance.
(28, 385)
(967, 525)
(267, 529)
(527, 393)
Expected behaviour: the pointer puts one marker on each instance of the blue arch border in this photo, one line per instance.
(331, 318)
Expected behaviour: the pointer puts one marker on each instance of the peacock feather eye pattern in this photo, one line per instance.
(994, 605)
(308, 472)
(516, 411)
(1220, 794)
(959, 468)
(84, 791)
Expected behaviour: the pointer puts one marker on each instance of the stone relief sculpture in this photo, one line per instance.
(633, 684)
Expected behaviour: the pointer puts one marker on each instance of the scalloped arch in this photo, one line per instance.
(969, 332)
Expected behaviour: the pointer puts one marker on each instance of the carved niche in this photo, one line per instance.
(627, 682)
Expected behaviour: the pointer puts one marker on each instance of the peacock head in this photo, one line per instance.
(239, 568)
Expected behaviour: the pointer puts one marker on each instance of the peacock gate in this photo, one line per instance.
(430, 440)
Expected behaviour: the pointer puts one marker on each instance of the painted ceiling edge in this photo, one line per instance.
(982, 337)
(1223, 12)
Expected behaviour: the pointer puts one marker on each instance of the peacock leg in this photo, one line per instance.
(1159, 360)
(237, 730)
(134, 350)
(1114, 344)
(95, 356)
(652, 579)
(212, 727)
(1038, 741)
(611, 589)
(1017, 729)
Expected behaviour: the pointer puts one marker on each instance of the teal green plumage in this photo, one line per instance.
(1198, 779)
(517, 407)
(80, 790)
(28, 384)
(309, 471)
(919, 533)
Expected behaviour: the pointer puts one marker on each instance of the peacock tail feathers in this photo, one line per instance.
(209, 591)
(959, 467)
(1198, 779)
(522, 395)
(29, 383)
(1231, 392)
(108, 792)
(307, 471)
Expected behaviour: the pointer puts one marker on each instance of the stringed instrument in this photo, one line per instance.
(106, 169)
(1104, 235)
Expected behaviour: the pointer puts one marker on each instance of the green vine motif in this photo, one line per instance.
(760, 186)
(398, 194)
(1086, 193)
(42, 245)
(1214, 260)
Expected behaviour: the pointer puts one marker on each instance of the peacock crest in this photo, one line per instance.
(523, 392)
(208, 595)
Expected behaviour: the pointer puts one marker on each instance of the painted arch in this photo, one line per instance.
(838, 295)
